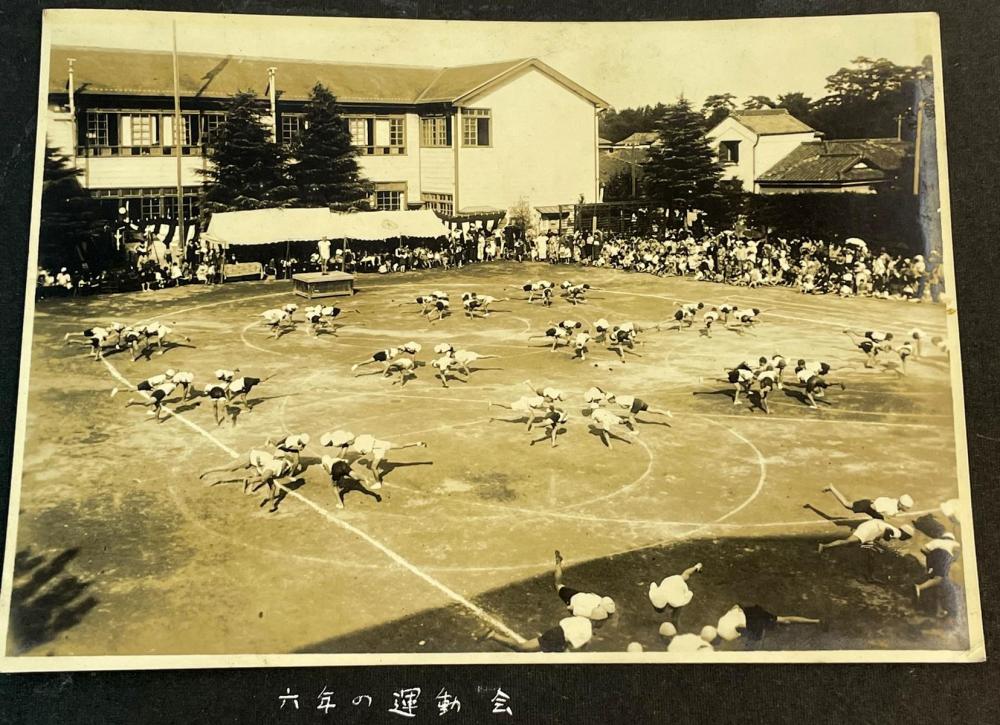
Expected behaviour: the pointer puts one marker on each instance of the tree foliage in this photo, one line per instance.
(682, 164)
(756, 103)
(325, 169)
(72, 225)
(866, 99)
(796, 103)
(619, 187)
(247, 169)
(717, 108)
(616, 125)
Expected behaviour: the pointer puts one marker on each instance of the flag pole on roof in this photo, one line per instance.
(178, 142)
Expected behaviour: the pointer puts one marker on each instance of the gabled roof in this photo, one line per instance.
(640, 138)
(150, 73)
(852, 160)
(770, 121)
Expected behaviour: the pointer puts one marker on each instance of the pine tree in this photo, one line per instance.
(248, 170)
(326, 170)
(681, 164)
(71, 222)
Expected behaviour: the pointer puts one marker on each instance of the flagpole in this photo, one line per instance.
(178, 143)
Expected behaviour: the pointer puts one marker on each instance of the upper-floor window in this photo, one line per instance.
(188, 129)
(210, 123)
(397, 132)
(435, 131)
(140, 132)
(476, 127)
(359, 131)
(729, 152)
(99, 129)
(378, 135)
(138, 129)
(292, 125)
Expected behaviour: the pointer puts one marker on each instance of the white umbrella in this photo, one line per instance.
(856, 242)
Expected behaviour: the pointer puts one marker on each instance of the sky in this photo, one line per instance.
(626, 64)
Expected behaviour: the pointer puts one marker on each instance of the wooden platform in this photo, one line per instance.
(317, 284)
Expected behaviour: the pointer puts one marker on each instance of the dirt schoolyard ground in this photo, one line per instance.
(122, 550)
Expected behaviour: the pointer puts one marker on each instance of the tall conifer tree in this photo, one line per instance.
(682, 164)
(71, 222)
(325, 168)
(248, 170)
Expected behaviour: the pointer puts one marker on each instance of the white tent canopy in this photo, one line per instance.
(267, 226)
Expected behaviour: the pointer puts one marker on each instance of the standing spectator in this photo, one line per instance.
(918, 272)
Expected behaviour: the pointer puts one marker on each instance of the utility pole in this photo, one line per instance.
(178, 143)
(899, 126)
(632, 168)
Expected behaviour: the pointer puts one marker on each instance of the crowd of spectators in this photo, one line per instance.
(845, 268)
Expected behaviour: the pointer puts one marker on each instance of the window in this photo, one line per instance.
(210, 123)
(443, 204)
(396, 132)
(378, 135)
(388, 200)
(149, 207)
(97, 129)
(188, 126)
(138, 129)
(475, 127)
(109, 132)
(359, 131)
(435, 131)
(389, 196)
(291, 127)
(170, 205)
(729, 152)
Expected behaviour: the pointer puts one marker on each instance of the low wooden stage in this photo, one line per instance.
(317, 284)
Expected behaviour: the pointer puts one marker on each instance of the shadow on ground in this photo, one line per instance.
(46, 600)
(865, 601)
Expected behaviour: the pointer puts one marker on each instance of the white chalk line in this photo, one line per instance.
(804, 306)
(834, 421)
(826, 323)
(395, 557)
(623, 489)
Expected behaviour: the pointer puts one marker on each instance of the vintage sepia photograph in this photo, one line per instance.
(384, 341)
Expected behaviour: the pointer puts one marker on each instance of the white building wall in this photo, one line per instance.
(437, 170)
(729, 130)
(543, 146)
(59, 132)
(757, 153)
(113, 172)
(403, 167)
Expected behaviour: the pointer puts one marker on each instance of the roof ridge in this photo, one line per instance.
(272, 59)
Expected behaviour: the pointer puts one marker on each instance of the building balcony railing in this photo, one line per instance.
(381, 150)
(100, 151)
(104, 151)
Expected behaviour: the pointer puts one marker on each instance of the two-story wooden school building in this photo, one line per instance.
(458, 140)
